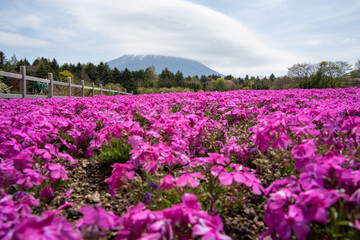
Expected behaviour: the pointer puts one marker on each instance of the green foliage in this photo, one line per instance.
(322, 75)
(118, 151)
(143, 90)
(104, 73)
(220, 84)
(284, 83)
(166, 79)
(127, 81)
(114, 86)
(357, 64)
(3, 87)
(2, 59)
(303, 75)
(64, 75)
(150, 77)
(355, 74)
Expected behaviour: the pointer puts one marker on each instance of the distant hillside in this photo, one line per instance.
(186, 66)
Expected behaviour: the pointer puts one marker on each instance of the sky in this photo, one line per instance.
(236, 37)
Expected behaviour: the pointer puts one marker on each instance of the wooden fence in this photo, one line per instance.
(51, 82)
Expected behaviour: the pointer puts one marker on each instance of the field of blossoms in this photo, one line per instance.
(182, 165)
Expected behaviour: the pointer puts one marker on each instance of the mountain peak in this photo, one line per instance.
(187, 66)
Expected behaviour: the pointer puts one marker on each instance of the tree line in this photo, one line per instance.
(325, 74)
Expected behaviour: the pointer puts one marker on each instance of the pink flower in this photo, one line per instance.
(167, 182)
(357, 225)
(247, 178)
(215, 171)
(186, 178)
(119, 175)
(47, 192)
(30, 178)
(163, 228)
(281, 142)
(43, 153)
(218, 159)
(65, 205)
(295, 221)
(57, 172)
(210, 230)
(313, 176)
(304, 150)
(98, 217)
(46, 226)
(303, 153)
(190, 201)
(319, 199)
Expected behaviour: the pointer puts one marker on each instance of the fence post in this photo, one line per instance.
(100, 89)
(51, 85)
(118, 91)
(109, 90)
(93, 90)
(23, 81)
(132, 92)
(83, 88)
(69, 87)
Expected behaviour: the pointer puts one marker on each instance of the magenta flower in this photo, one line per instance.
(30, 178)
(186, 178)
(162, 228)
(304, 150)
(97, 217)
(218, 159)
(357, 225)
(119, 175)
(313, 176)
(190, 201)
(43, 153)
(57, 172)
(247, 178)
(47, 226)
(210, 230)
(295, 221)
(281, 142)
(167, 182)
(319, 199)
(303, 153)
(47, 192)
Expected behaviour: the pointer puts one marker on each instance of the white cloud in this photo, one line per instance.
(314, 42)
(14, 39)
(347, 41)
(173, 28)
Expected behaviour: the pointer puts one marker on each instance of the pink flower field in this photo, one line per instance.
(207, 165)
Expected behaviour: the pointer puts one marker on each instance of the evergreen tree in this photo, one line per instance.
(91, 71)
(272, 77)
(179, 79)
(54, 67)
(127, 81)
(166, 79)
(22, 62)
(229, 77)
(103, 73)
(2, 60)
(150, 77)
(42, 70)
(116, 76)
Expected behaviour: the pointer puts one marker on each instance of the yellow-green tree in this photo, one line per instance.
(64, 75)
(220, 84)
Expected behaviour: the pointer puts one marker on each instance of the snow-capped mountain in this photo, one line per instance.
(186, 66)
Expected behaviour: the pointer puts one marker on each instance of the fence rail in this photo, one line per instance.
(51, 82)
